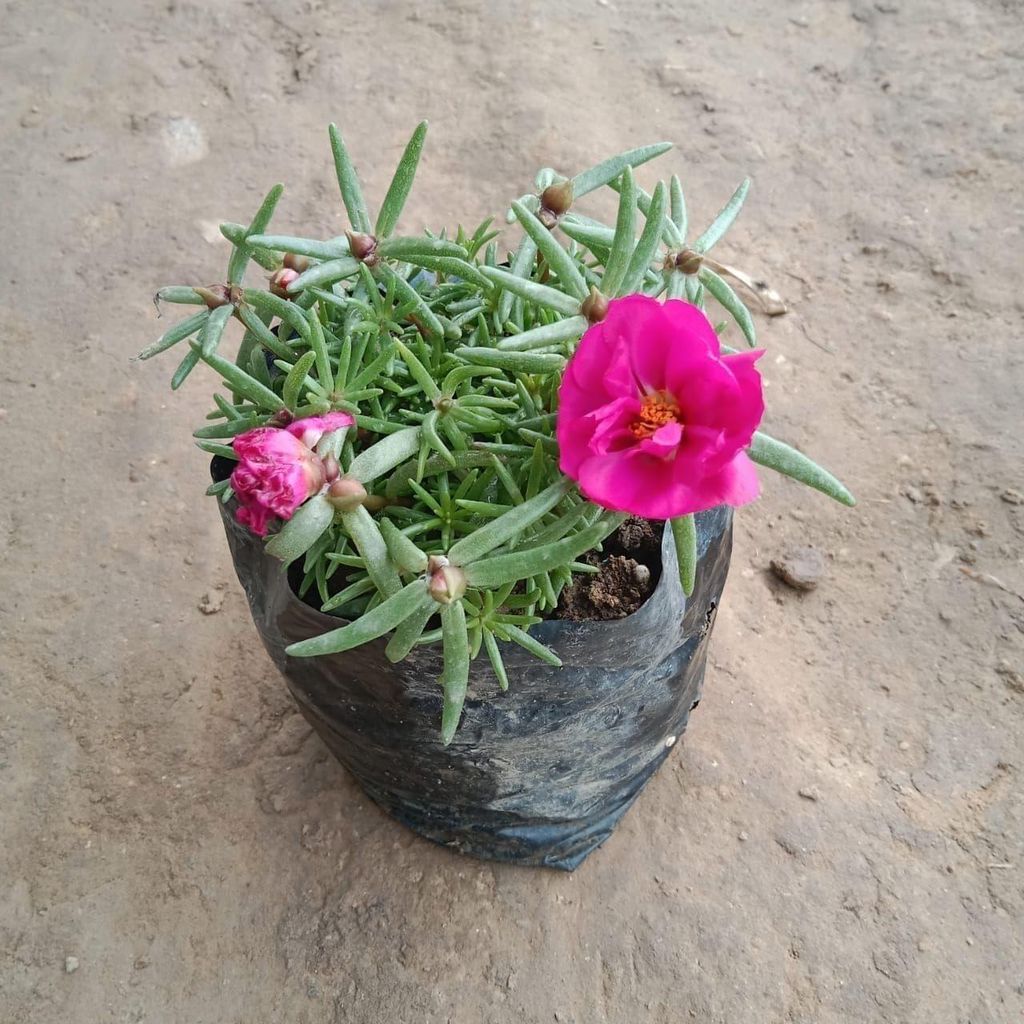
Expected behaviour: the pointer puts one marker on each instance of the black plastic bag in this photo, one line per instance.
(538, 775)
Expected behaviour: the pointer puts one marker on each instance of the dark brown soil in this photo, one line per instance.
(629, 569)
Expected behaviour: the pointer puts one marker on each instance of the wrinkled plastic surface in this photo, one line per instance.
(539, 775)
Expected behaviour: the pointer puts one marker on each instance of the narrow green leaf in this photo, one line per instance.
(410, 630)
(724, 220)
(318, 345)
(296, 380)
(453, 267)
(185, 367)
(401, 183)
(684, 533)
(236, 234)
(540, 294)
(609, 170)
(348, 183)
(403, 552)
(455, 678)
(426, 316)
(594, 235)
(624, 241)
(214, 329)
(331, 249)
(404, 249)
(370, 625)
(498, 531)
(385, 455)
(522, 266)
(302, 530)
(263, 334)
(494, 653)
(650, 239)
(783, 458)
(288, 312)
(517, 362)
(329, 272)
(358, 589)
(240, 257)
(730, 302)
(521, 565)
(535, 647)
(181, 294)
(569, 329)
(369, 542)
(558, 259)
(678, 206)
(240, 382)
(223, 450)
(676, 285)
(179, 332)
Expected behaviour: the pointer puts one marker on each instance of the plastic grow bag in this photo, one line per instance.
(539, 775)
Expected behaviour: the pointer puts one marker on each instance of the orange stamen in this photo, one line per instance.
(656, 410)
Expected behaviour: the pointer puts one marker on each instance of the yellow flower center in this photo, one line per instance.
(656, 410)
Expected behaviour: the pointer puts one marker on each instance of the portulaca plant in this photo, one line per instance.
(440, 430)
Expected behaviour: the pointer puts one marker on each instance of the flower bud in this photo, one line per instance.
(594, 306)
(688, 261)
(293, 261)
(557, 198)
(215, 296)
(346, 493)
(280, 280)
(281, 418)
(445, 582)
(332, 469)
(363, 247)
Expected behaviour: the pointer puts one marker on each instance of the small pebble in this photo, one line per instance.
(801, 568)
(809, 793)
(904, 745)
(743, 837)
(70, 964)
(211, 602)
(642, 574)
(1012, 497)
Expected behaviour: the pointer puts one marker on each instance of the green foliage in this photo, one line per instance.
(449, 355)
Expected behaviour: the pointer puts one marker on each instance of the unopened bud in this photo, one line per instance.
(215, 296)
(280, 280)
(293, 261)
(363, 247)
(595, 306)
(332, 468)
(557, 198)
(346, 493)
(688, 261)
(281, 418)
(445, 582)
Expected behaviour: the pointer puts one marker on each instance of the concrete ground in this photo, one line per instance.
(841, 836)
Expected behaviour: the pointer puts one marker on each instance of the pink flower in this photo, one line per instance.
(278, 470)
(652, 418)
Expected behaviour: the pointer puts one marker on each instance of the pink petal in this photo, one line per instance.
(312, 428)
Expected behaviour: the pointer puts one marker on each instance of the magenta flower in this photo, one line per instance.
(652, 418)
(278, 470)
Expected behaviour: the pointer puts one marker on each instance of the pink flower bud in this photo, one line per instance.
(445, 582)
(595, 306)
(332, 470)
(280, 280)
(216, 295)
(363, 247)
(346, 493)
(293, 261)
